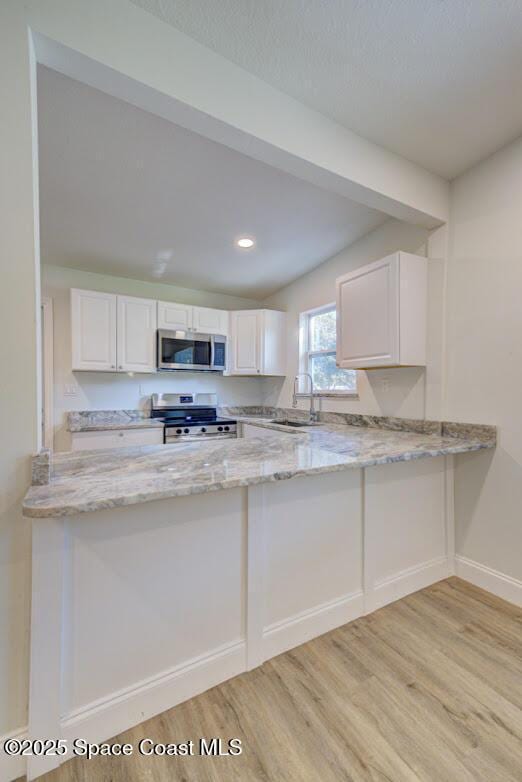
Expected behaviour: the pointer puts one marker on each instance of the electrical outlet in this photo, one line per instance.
(385, 384)
(70, 389)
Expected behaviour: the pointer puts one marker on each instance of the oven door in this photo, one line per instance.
(185, 350)
(197, 438)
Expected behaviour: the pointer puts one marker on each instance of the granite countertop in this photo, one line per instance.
(103, 420)
(94, 480)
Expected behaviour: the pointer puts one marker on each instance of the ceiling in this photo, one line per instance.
(436, 81)
(125, 192)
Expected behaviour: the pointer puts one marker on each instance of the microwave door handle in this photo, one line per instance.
(212, 352)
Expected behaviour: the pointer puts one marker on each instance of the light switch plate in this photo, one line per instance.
(70, 389)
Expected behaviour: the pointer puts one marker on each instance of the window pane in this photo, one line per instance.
(322, 331)
(328, 377)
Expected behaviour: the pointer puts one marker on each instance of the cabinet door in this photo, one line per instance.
(174, 316)
(136, 334)
(245, 342)
(273, 342)
(368, 315)
(210, 321)
(115, 438)
(93, 330)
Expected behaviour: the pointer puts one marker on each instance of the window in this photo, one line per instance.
(317, 337)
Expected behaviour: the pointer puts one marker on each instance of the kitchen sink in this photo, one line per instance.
(285, 422)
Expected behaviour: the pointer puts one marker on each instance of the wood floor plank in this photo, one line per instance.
(427, 689)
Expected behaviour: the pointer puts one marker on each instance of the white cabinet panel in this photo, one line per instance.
(115, 438)
(93, 330)
(142, 616)
(312, 574)
(136, 334)
(183, 317)
(257, 342)
(210, 321)
(273, 342)
(174, 316)
(245, 358)
(405, 532)
(382, 313)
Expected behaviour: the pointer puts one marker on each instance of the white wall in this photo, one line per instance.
(412, 392)
(484, 355)
(112, 391)
(19, 260)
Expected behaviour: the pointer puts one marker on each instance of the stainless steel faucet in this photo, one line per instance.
(313, 413)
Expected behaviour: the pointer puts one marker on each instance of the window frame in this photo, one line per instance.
(305, 354)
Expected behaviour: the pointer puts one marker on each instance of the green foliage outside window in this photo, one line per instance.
(321, 354)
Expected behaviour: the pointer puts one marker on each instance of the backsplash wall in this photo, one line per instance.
(107, 391)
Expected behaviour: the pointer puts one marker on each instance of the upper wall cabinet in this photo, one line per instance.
(382, 313)
(210, 321)
(136, 350)
(112, 333)
(257, 343)
(184, 317)
(174, 316)
(93, 330)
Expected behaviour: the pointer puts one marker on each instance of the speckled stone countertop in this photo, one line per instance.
(95, 480)
(101, 420)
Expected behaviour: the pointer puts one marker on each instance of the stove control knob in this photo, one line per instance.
(203, 429)
(227, 428)
(220, 428)
(186, 431)
(178, 431)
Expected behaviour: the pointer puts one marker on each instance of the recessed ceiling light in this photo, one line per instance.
(245, 242)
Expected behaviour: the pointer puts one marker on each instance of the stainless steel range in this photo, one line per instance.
(186, 418)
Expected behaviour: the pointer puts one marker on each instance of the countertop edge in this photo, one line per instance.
(35, 512)
(147, 423)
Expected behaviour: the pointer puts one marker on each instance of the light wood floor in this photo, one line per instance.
(428, 688)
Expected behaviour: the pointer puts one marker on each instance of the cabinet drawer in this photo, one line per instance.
(115, 438)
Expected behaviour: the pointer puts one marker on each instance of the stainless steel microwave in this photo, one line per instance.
(191, 351)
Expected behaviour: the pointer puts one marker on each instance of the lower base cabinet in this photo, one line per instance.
(115, 438)
(178, 595)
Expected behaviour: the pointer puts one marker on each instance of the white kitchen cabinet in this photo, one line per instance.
(93, 330)
(184, 317)
(174, 316)
(210, 321)
(136, 332)
(244, 349)
(111, 333)
(115, 438)
(382, 313)
(257, 344)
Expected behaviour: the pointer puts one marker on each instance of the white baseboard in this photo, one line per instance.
(124, 709)
(302, 627)
(12, 767)
(499, 584)
(393, 588)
